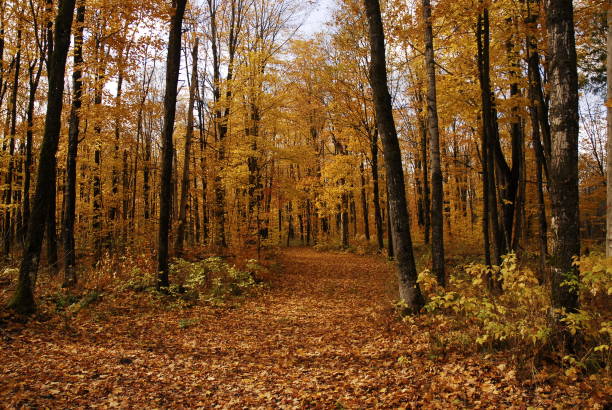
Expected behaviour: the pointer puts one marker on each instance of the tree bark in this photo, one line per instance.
(609, 143)
(23, 299)
(563, 80)
(364, 204)
(409, 289)
(180, 233)
(71, 157)
(376, 191)
(437, 192)
(8, 194)
(490, 142)
(173, 63)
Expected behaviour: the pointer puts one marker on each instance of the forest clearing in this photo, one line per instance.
(306, 204)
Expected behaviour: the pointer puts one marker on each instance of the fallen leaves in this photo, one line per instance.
(321, 336)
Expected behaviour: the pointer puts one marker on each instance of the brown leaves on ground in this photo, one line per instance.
(324, 335)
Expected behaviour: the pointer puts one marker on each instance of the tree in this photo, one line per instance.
(563, 80)
(409, 289)
(609, 157)
(173, 62)
(193, 85)
(437, 193)
(23, 299)
(73, 146)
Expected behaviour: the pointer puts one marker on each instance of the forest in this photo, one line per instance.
(306, 204)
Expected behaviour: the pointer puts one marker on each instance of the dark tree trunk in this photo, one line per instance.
(71, 157)
(376, 191)
(609, 136)
(23, 299)
(390, 250)
(34, 73)
(344, 221)
(51, 233)
(538, 114)
(196, 205)
(425, 168)
(490, 135)
(8, 194)
(173, 63)
(409, 289)
(484, 147)
(180, 233)
(364, 204)
(97, 179)
(205, 219)
(437, 197)
(563, 80)
(146, 176)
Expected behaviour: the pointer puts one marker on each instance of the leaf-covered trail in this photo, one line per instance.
(323, 335)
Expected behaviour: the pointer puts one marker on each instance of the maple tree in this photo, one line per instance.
(221, 127)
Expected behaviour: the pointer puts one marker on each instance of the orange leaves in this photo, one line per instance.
(320, 337)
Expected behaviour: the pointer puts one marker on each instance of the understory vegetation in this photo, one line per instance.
(518, 317)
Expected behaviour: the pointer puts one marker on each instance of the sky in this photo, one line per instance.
(317, 15)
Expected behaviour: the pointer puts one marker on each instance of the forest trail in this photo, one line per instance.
(323, 335)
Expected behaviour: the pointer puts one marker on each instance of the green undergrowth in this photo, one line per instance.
(518, 319)
(212, 281)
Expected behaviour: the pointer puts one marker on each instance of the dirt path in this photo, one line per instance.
(322, 336)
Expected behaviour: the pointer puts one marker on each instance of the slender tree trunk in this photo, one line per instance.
(71, 157)
(563, 80)
(426, 191)
(196, 204)
(146, 177)
(180, 233)
(409, 289)
(23, 299)
(609, 157)
(539, 125)
(8, 194)
(390, 250)
(376, 191)
(34, 81)
(97, 178)
(364, 204)
(485, 148)
(344, 221)
(490, 136)
(51, 233)
(437, 197)
(173, 63)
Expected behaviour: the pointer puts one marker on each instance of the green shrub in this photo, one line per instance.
(520, 315)
(138, 280)
(214, 277)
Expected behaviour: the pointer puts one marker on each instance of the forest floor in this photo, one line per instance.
(323, 334)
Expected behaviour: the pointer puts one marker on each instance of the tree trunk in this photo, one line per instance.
(34, 72)
(173, 63)
(71, 156)
(180, 233)
(23, 299)
(51, 234)
(609, 157)
(8, 194)
(409, 289)
(490, 135)
(437, 193)
(563, 80)
(484, 148)
(364, 204)
(425, 168)
(376, 191)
